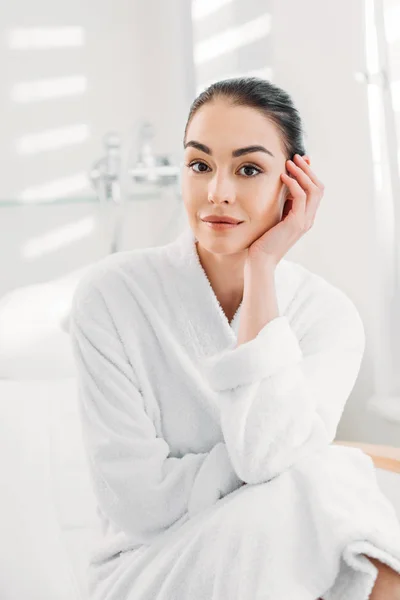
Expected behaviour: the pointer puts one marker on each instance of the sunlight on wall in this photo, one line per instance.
(395, 85)
(45, 37)
(384, 216)
(374, 97)
(203, 8)
(266, 73)
(50, 140)
(392, 23)
(39, 90)
(232, 38)
(57, 238)
(59, 188)
(44, 89)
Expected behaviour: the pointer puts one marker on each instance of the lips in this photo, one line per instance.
(221, 219)
(221, 226)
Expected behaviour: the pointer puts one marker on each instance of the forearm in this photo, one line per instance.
(260, 304)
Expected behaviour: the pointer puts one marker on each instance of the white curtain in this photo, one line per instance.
(382, 77)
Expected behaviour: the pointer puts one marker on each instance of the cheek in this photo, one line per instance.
(187, 192)
(190, 199)
(189, 185)
(261, 205)
(266, 197)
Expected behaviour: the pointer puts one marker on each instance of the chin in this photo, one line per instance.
(221, 244)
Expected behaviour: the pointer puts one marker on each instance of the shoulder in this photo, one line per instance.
(319, 307)
(106, 275)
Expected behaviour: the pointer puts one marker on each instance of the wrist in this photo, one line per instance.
(258, 263)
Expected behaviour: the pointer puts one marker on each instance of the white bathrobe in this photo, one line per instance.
(176, 420)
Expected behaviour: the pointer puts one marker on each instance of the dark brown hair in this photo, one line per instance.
(269, 99)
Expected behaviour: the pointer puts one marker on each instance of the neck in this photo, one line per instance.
(225, 274)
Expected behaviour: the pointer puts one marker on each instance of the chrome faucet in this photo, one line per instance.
(149, 167)
(105, 172)
(105, 176)
(116, 184)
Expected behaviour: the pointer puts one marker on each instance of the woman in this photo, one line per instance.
(213, 373)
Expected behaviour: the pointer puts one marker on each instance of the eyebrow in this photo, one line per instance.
(235, 153)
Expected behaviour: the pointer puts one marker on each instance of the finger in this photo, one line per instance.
(313, 193)
(300, 162)
(303, 178)
(299, 196)
(314, 201)
(312, 204)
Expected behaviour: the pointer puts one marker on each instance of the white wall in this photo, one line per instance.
(136, 63)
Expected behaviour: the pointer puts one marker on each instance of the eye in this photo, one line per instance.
(251, 167)
(197, 162)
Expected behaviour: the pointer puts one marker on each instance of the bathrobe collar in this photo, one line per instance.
(204, 313)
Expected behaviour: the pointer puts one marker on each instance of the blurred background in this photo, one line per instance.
(94, 96)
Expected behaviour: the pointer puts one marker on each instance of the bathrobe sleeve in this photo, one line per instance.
(137, 484)
(282, 394)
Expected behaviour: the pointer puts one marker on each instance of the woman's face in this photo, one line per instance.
(247, 187)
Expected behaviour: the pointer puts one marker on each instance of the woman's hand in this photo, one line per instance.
(306, 192)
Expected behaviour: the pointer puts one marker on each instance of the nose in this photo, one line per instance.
(221, 189)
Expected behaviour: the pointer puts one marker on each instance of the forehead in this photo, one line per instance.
(220, 125)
